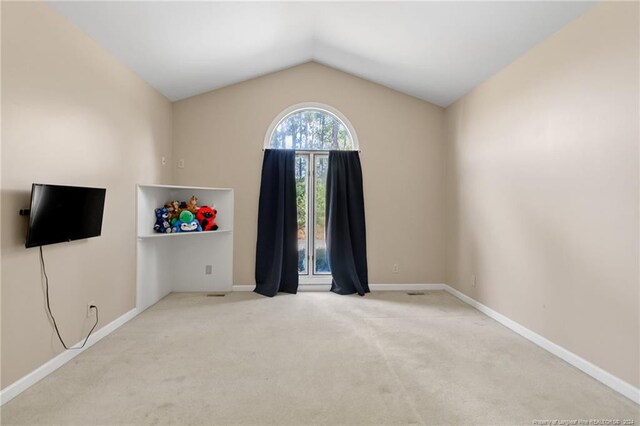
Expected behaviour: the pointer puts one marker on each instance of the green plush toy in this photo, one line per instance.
(186, 223)
(186, 216)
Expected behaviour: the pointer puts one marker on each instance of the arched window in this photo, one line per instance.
(311, 127)
(313, 130)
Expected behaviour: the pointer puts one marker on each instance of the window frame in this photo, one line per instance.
(311, 277)
(310, 228)
(316, 106)
(307, 227)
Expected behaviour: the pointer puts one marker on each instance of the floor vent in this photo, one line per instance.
(415, 293)
(216, 295)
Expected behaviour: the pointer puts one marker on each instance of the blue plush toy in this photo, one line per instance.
(187, 223)
(162, 221)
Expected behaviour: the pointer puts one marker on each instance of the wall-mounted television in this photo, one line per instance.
(64, 213)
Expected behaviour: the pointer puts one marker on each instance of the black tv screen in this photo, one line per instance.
(64, 213)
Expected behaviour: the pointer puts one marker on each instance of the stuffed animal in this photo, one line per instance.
(207, 216)
(186, 216)
(162, 221)
(192, 204)
(174, 209)
(186, 223)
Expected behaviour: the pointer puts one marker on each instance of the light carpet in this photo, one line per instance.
(315, 358)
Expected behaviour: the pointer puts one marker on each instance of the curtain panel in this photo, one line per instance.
(346, 229)
(277, 245)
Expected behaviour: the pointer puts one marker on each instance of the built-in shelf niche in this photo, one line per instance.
(178, 261)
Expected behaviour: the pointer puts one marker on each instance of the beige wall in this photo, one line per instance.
(71, 114)
(0, 199)
(220, 135)
(541, 197)
(543, 190)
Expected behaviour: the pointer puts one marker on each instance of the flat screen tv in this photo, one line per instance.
(64, 213)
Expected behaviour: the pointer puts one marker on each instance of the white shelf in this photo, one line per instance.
(179, 261)
(190, 188)
(183, 234)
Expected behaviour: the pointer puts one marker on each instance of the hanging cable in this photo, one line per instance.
(55, 325)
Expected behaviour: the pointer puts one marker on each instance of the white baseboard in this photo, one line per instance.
(19, 386)
(608, 379)
(301, 287)
(372, 287)
(615, 383)
(243, 287)
(407, 287)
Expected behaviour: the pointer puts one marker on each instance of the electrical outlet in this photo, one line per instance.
(474, 281)
(163, 161)
(181, 163)
(396, 268)
(89, 310)
(208, 269)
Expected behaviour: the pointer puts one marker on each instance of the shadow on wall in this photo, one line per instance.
(14, 226)
(342, 55)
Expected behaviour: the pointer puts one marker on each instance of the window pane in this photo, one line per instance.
(311, 129)
(320, 190)
(302, 165)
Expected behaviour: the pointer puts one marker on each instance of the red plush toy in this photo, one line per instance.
(207, 216)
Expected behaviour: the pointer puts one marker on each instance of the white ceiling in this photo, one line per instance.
(436, 51)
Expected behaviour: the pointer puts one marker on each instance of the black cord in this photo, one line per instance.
(46, 281)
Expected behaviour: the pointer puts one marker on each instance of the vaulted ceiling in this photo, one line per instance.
(436, 51)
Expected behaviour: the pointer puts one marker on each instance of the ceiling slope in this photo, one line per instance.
(436, 51)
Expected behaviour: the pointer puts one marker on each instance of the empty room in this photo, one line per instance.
(335, 213)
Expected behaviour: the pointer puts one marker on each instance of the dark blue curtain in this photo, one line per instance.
(346, 230)
(277, 246)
